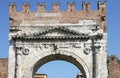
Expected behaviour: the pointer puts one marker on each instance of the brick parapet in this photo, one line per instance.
(56, 15)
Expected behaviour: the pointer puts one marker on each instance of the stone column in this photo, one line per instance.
(100, 57)
(11, 60)
(95, 50)
(103, 58)
(96, 56)
(19, 62)
(99, 62)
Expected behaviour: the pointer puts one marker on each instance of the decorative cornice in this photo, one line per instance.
(58, 37)
(68, 34)
(41, 35)
(57, 28)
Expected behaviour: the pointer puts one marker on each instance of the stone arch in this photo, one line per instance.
(58, 55)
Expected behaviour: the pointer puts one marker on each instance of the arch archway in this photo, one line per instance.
(58, 69)
(59, 55)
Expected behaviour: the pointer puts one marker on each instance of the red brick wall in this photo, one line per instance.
(114, 67)
(3, 67)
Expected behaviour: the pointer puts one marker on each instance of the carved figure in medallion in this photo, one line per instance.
(87, 50)
(25, 51)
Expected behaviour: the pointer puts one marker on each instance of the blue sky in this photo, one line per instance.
(113, 22)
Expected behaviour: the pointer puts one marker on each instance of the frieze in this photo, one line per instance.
(52, 45)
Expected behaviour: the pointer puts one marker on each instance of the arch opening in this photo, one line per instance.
(59, 56)
(58, 69)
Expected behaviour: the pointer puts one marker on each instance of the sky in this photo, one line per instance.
(113, 25)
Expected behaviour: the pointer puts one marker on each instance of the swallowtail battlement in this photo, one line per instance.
(56, 7)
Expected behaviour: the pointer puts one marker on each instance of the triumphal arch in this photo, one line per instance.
(76, 36)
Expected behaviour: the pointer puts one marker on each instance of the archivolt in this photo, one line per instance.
(58, 55)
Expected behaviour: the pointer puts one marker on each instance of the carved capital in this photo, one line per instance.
(97, 49)
(19, 49)
(97, 46)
